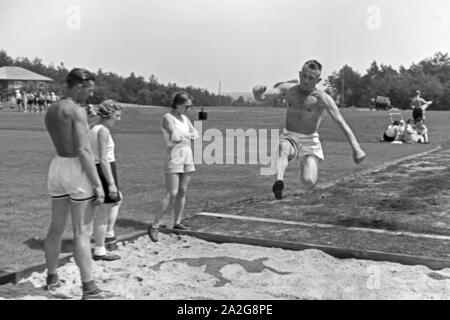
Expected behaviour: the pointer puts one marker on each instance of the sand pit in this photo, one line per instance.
(182, 267)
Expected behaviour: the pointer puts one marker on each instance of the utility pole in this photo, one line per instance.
(220, 92)
(342, 92)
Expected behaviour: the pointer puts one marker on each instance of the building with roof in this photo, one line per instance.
(16, 78)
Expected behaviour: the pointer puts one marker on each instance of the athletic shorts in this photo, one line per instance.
(303, 144)
(66, 178)
(105, 186)
(417, 113)
(179, 159)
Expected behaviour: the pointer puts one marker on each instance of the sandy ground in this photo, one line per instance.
(182, 267)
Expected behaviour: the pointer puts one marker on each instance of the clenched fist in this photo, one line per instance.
(258, 91)
(358, 155)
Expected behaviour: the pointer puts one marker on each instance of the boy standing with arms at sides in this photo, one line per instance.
(73, 182)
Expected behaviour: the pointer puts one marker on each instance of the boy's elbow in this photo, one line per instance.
(84, 151)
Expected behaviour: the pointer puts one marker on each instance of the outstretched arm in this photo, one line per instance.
(425, 104)
(262, 93)
(358, 154)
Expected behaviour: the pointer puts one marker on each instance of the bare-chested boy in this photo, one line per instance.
(300, 138)
(73, 181)
(419, 105)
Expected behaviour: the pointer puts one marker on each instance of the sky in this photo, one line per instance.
(239, 43)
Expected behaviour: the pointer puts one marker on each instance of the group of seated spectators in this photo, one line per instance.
(409, 132)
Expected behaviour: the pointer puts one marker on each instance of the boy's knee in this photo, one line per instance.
(285, 148)
(54, 234)
(55, 231)
(309, 178)
(82, 231)
(309, 182)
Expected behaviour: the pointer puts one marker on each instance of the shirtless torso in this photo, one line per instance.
(418, 102)
(68, 127)
(304, 110)
(59, 123)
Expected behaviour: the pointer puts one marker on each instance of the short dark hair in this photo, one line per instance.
(180, 98)
(78, 76)
(313, 65)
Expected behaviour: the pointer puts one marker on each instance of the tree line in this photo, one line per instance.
(132, 89)
(431, 76)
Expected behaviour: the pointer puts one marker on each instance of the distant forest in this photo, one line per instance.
(132, 89)
(431, 76)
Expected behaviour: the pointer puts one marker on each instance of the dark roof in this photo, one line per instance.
(18, 73)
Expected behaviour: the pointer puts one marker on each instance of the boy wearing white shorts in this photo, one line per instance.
(305, 108)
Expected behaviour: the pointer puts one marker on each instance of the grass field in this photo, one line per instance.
(26, 152)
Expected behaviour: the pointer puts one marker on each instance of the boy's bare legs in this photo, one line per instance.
(52, 245)
(82, 221)
(100, 222)
(309, 171)
(286, 150)
(82, 216)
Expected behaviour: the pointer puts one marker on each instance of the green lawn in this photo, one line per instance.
(26, 152)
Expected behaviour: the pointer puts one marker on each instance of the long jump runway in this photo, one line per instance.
(388, 202)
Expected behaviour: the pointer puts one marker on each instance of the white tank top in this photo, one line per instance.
(391, 131)
(181, 126)
(93, 140)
